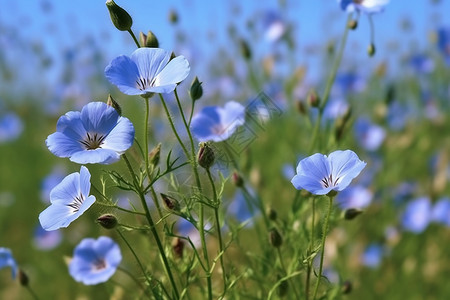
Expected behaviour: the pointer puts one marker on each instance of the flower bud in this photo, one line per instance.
(347, 287)
(107, 221)
(151, 41)
(173, 17)
(272, 214)
(178, 247)
(313, 99)
(142, 38)
(371, 50)
(352, 24)
(119, 16)
(111, 102)
(154, 155)
(23, 278)
(237, 179)
(245, 49)
(352, 213)
(205, 156)
(170, 203)
(275, 238)
(196, 91)
(301, 107)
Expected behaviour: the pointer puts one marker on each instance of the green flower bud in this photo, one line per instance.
(205, 156)
(142, 38)
(371, 50)
(237, 179)
(119, 16)
(301, 107)
(111, 102)
(352, 24)
(347, 287)
(154, 155)
(352, 213)
(173, 17)
(275, 238)
(107, 221)
(272, 214)
(23, 278)
(196, 91)
(245, 49)
(151, 40)
(178, 247)
(313, 99)
(170, 203)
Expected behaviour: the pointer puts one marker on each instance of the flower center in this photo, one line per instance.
(76, 204)
(144, 83)
(358, 1)
(93, 141)
(328, 181)
(99, 264)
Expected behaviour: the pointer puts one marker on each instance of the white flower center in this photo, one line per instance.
(93, 141)
(76, 203)
(144, 83)
(328, 181)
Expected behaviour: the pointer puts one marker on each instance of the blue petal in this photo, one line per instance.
(56, 216)
(62, 145)
(98, 117)
(124, 73)
(203, 123)
(310, 184)
(345, 165)
(121, 137)
(96, 156)
(175, 71)
(150, 61)
(67, 190)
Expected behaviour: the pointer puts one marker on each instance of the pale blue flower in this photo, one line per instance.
(443, 42)
(95, 261)
(11, 126)
(370, 136)
(50, 181)
(365, 6)
(70, 199)
(372, 256)
(147, 71)
(46, 240)
(441, 211)
(354, 197)
(97, 134)
(214, 123)
(417, 215)
(320, 174)
(7, 260)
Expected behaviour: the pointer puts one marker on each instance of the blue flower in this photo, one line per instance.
(273, 25)
(95, 261)
(70, 199)
(372, 256)
(147, 71)
(417, 215)
(46, 240)
(320, 174)
(354, 197)
(97, 134)
(443, 42)
(441, 211)
(217, 124)
(369, 135)
(365, 6)
(50, 181)
(7, 260)
(11, 127)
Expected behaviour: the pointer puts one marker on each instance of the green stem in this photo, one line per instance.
(283, 266)
(134, 38)
(113, 205)
(32, 293)
(137, 260)
(322, 247)
(152, 227)
(311, 246)
(219, 232)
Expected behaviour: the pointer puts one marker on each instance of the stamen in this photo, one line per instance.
(93, 141)
(99, 265)
(76, 204)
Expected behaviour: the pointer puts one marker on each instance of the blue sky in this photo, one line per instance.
(59, 24)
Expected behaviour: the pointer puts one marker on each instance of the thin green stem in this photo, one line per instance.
(32, 293)
(152, 227)
(311, 246)
(219, 231)
(137, 260)
(131, 275)
(322, 247)
(113, 205)
(134, 38)
(283, 266)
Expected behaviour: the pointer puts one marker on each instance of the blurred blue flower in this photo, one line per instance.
(441, 211)
(365, 6)
(147, 71)
(417, 215)
(349, 82)
(372, 256)
(97, 134)
(443, 42)
(239, 208)
(335, 108)
(50, 181)
(95, 261)
(369, 135)
(320, 174)
(46, 240)
(188, 230)
(214, 123)
(7, 260)
(11, 126)
(421, 63)
(354, 197)
(70, 199)
(273, 25)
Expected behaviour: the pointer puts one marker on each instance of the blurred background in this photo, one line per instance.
(52, 58)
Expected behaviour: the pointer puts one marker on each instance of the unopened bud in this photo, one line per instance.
(196, 91)
(275, 238)
(111, 102)
(178, 247)
(371, 50)
(301, 107)
(347, 287)
(313, 99)
(271, 214)
(119, 16)
(154, 155)
(170, 203)
(151, 41)
(107, 221)
(352, 24)
(352, 213)
(23, 278)
(245, 49)
(173, 16)
(205, 156)
(142, 39)
(237, 179)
